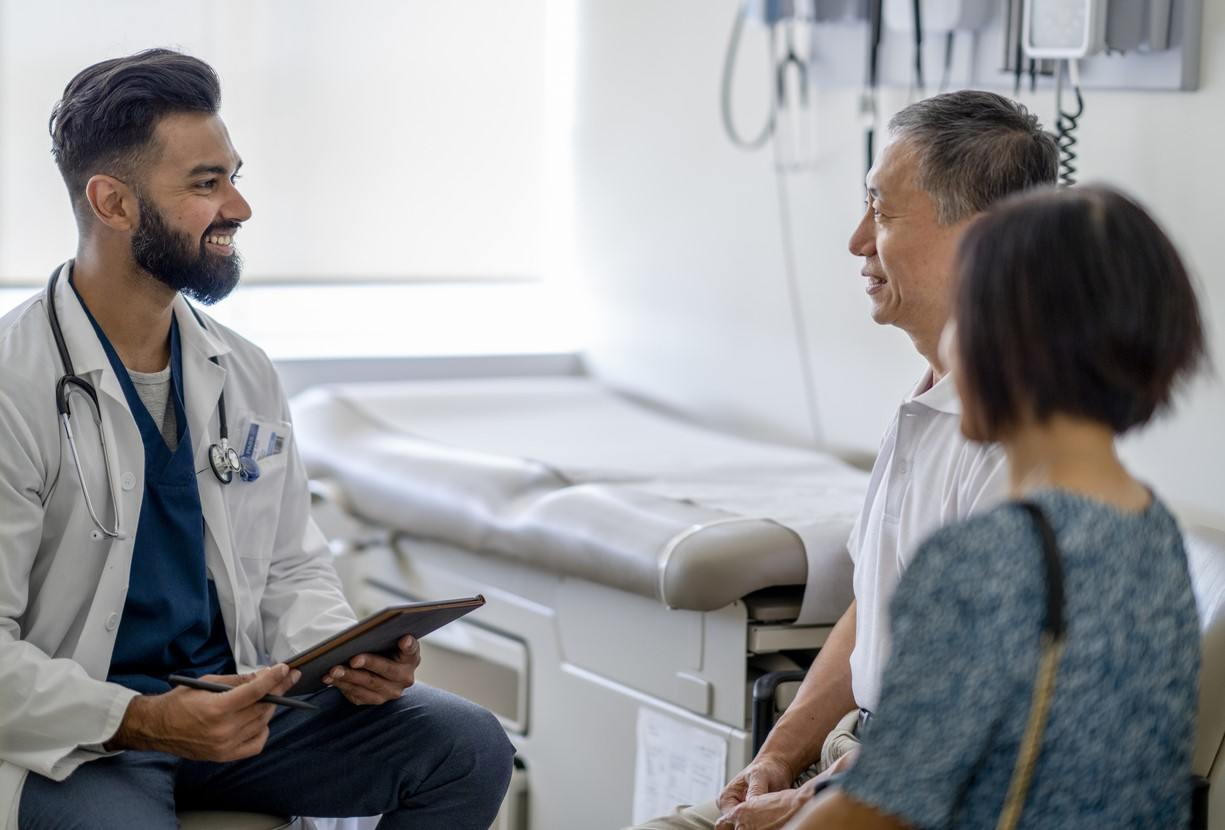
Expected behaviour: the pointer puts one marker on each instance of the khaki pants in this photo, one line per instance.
(838, 742)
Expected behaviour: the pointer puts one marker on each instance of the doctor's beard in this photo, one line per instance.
(174, 259)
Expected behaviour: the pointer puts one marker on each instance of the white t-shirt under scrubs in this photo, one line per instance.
(926, 475)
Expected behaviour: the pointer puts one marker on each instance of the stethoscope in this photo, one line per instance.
(222, 458)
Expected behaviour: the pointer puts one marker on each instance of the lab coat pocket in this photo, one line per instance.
(254, 502)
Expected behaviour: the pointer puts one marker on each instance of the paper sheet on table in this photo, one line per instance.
(676, 764)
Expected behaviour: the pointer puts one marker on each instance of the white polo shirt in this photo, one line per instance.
(926, 475)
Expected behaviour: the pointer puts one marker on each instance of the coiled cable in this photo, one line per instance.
(1067, 122)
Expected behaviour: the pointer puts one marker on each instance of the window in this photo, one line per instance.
(406, 161)
(382, 139)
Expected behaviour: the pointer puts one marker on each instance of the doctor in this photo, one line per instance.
(136, 545)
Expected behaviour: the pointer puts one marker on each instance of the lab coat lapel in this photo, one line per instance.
(203, 381)
(89, 359)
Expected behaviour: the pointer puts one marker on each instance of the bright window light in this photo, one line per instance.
(384, 142)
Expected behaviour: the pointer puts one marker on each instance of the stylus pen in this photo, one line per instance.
(210, 686)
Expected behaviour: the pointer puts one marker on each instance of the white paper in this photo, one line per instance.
(676, 764)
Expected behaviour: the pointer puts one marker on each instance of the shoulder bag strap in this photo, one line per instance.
(1053, 629)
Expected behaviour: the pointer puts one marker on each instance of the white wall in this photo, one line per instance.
(678, 239)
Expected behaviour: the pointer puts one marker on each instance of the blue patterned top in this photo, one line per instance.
(967, 618)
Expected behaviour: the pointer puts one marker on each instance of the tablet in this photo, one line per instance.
(377, 634)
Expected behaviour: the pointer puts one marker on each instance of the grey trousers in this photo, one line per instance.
(839, 742)
(686, 817)
(428, 760)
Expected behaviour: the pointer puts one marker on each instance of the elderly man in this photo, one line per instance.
(948, 158)
(137, 544)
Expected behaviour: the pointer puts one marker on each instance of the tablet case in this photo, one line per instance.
(376, 634)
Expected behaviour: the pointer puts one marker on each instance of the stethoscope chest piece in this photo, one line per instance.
(249, 468)
(224, 460)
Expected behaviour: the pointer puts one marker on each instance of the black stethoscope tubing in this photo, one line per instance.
(223, 459)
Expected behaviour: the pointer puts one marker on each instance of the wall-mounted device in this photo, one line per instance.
(940, 16)
(771, 12)
(928, 21)
(841, 11)
(1064, 29)
(790, 126)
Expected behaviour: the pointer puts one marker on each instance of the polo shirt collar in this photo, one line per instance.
(941, 397)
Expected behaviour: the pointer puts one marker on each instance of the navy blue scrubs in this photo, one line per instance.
(172, 620)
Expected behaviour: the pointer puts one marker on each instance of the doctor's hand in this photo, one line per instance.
(369, 679)
(206, 726)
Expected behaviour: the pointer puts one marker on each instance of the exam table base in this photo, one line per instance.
(568, 666)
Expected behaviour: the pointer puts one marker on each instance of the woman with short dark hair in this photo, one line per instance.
(1046, 653)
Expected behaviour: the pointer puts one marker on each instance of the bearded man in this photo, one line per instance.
(137, 543)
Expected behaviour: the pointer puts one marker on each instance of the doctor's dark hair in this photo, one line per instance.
(975, 148)
(1073, 302)
(104, 122)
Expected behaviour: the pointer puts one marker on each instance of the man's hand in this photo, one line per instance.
(835, 810)
(773, 809)
(369, 679)
(764, 775)
(206, 726)
(765, 812)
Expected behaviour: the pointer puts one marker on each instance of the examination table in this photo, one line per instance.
(640, 572)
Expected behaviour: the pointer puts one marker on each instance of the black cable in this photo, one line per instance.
(1065, 133)
(791, 60)
(1018, 52)
(876, 16)
(946, 73)
(875, 25)
(918, 48)
(1066, 124)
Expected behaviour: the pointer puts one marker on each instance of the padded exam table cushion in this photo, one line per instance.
(563, 474)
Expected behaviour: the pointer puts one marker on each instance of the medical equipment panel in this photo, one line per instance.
(1126, 44)
(1064, 28)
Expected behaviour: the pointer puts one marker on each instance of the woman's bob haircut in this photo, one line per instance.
(1071, 302)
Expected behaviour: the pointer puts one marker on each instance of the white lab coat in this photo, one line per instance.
(62, 591)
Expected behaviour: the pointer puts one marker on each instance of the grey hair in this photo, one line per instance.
(974, 148)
